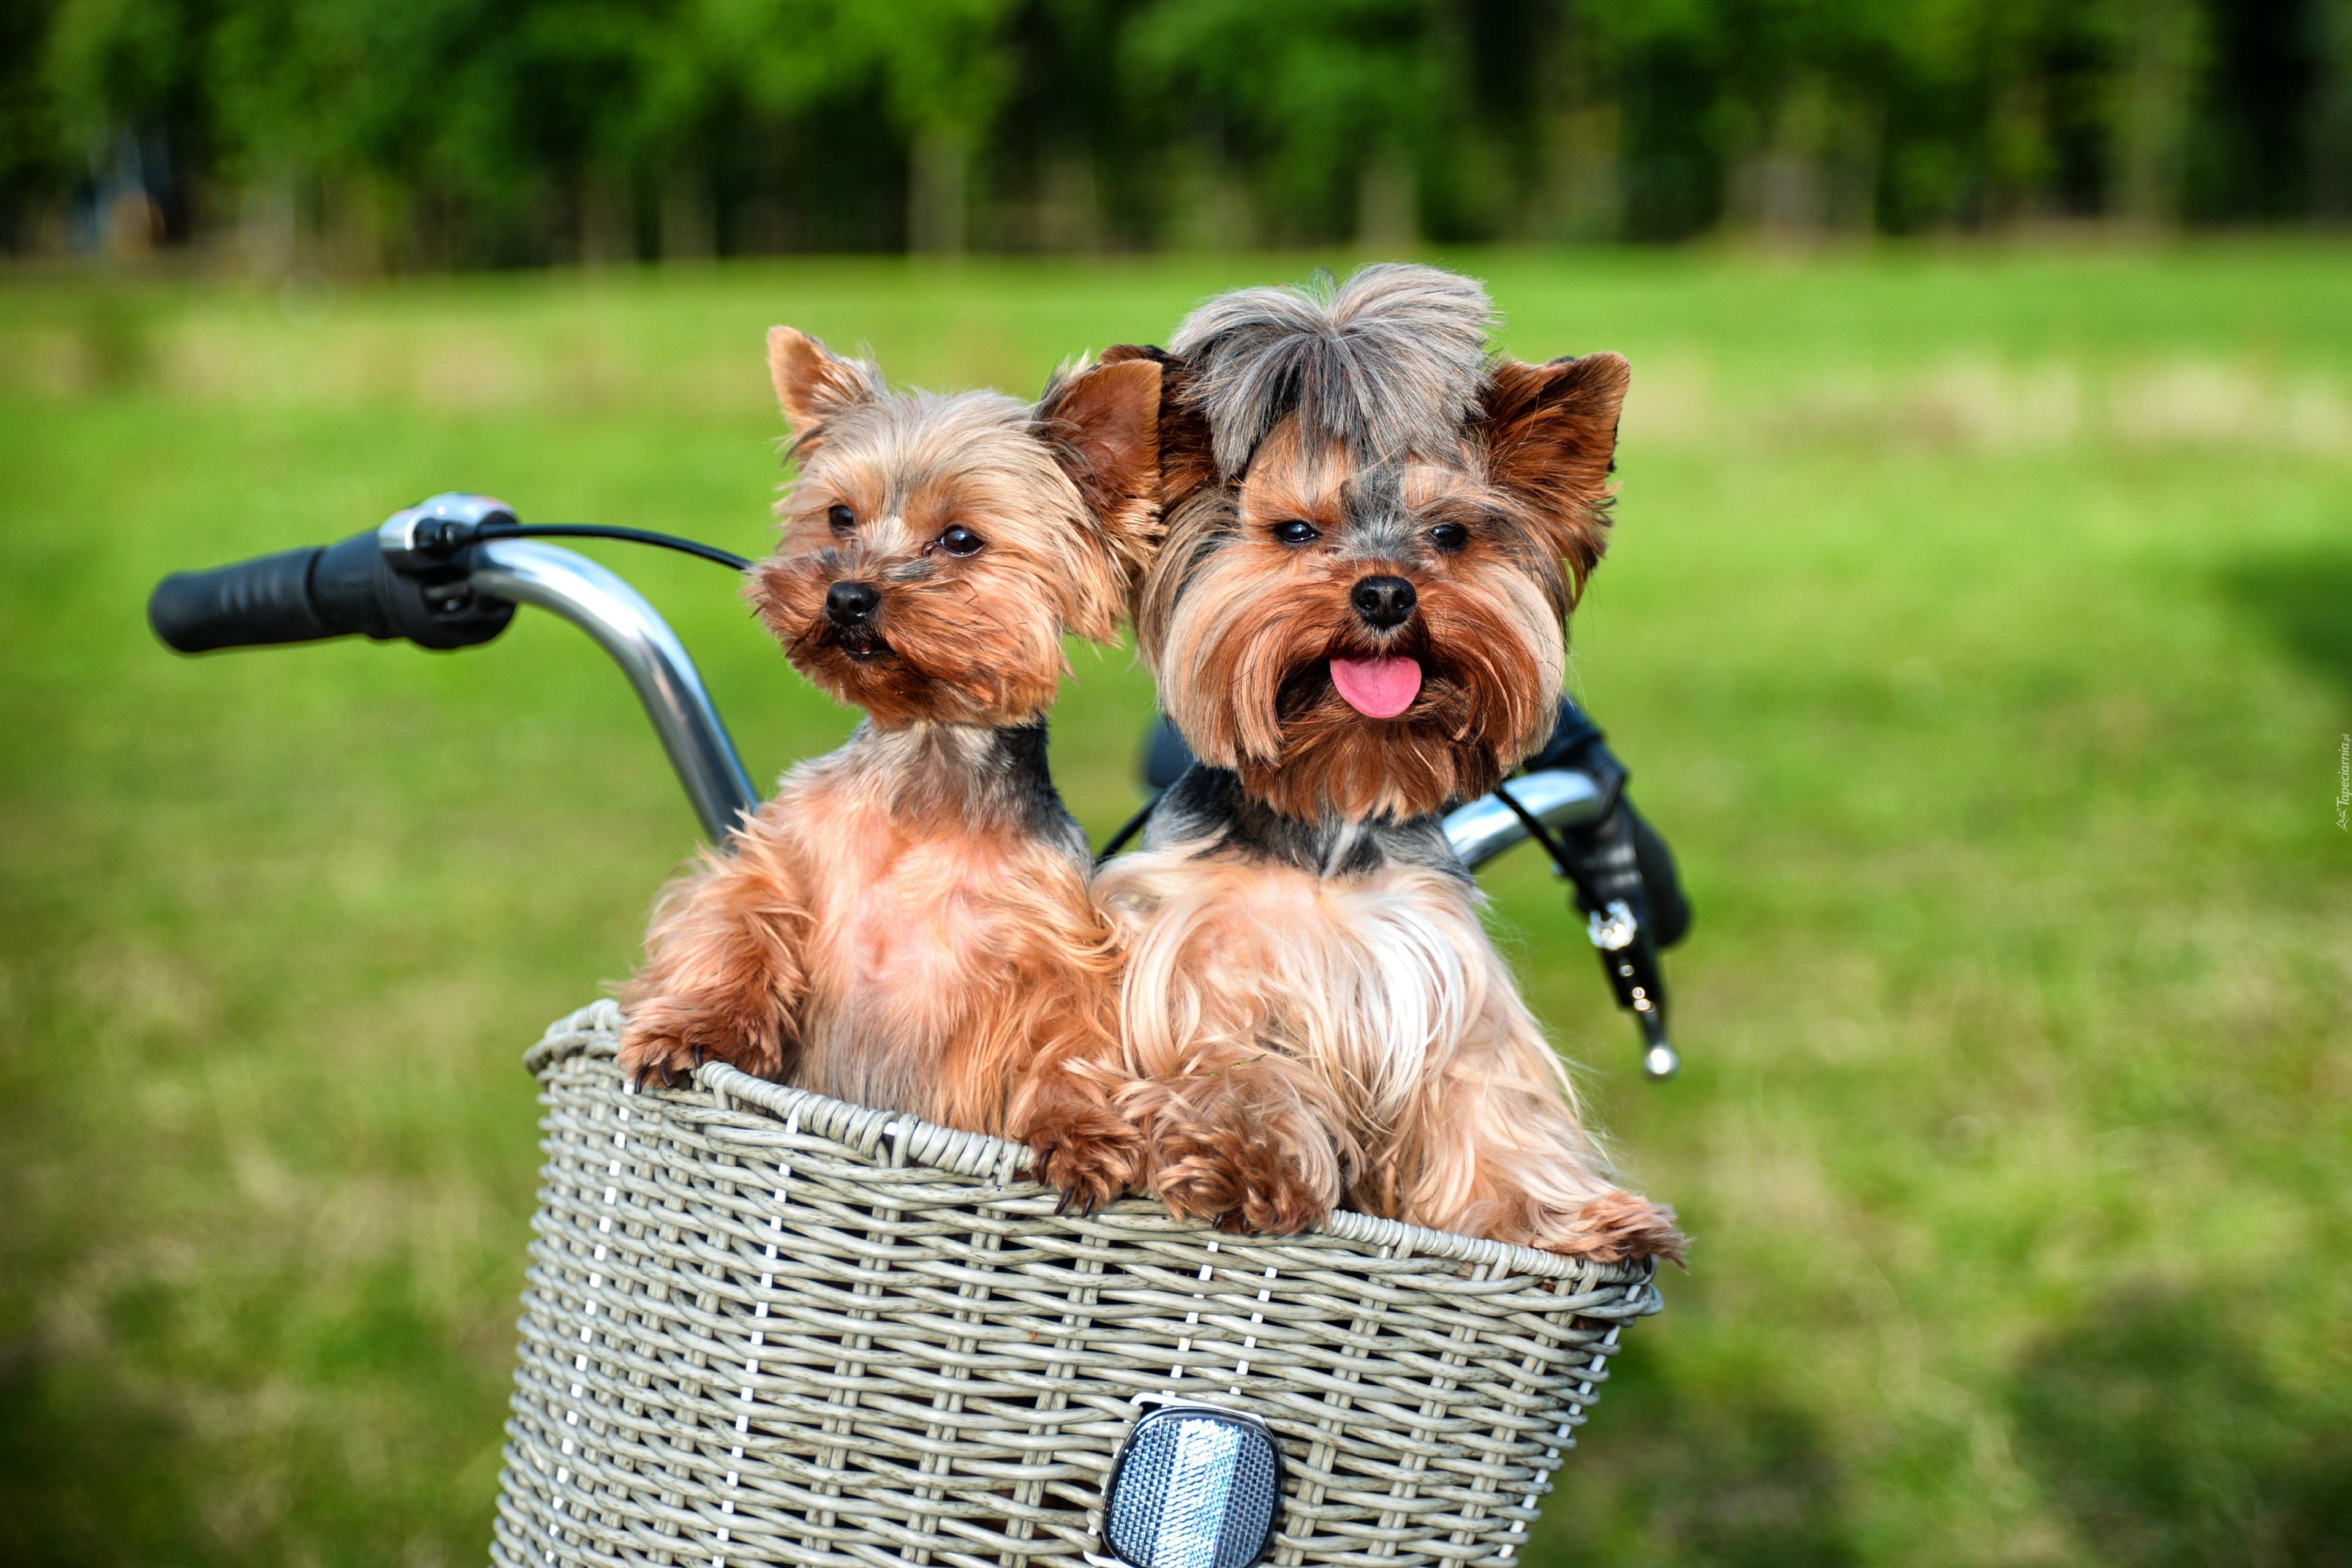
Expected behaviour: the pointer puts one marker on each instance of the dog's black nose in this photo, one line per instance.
(1383, 602)
(850, 603)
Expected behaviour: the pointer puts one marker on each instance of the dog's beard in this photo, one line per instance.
(1252, 691)
(925, 656)
(862, 669)
(1338, 759)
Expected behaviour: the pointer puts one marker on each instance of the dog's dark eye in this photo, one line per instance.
(843, 519)
(1449, 536)
(962, 540)
(1295, 532)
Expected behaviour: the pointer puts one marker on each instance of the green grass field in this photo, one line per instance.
(1978, 628)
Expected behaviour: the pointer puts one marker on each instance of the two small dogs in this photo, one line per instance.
(1348, 539)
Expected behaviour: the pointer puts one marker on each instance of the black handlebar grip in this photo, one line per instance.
(296, 595)
(266, 600)
(337, 590)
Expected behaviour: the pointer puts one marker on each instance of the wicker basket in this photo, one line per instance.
(763, 1326)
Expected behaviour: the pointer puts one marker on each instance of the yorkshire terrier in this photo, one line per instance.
(908, 924)
(1374, 533)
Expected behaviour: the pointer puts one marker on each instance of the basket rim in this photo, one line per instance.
(594, 1031)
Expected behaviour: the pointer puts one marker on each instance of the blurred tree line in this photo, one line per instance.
(428, 134)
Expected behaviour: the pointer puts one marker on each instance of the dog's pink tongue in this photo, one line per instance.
(1378, 688)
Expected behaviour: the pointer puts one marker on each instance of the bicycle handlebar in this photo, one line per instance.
(403, 580)
(449, 573)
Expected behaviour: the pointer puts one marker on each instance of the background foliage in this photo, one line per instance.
(430, 133)
(1976, 626)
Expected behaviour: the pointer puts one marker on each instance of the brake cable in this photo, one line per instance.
(1134, 825)
(446, 534)
(1543, 836)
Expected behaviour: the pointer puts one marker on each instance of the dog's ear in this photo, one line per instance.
(1550, 436)
(1102, 425)
(1188, 454)
(813, 383)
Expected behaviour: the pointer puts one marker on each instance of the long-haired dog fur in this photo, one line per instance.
(907, 924)
(1373, 535)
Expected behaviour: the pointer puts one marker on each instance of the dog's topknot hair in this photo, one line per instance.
(1388, 362)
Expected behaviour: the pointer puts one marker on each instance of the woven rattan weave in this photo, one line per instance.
(762, 1326)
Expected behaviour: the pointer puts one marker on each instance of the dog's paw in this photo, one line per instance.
(1616, 1228)
(652, 1059)
(660, 1044)
(1092, 1158)
(1243, 1184)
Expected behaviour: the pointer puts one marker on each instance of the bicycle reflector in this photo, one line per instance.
(1194, 1486)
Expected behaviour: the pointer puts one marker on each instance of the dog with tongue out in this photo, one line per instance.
(1374, 531)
